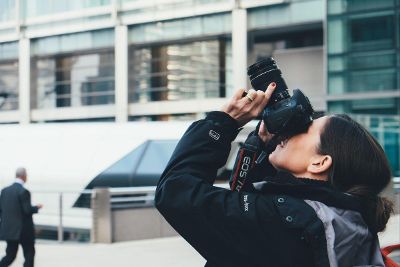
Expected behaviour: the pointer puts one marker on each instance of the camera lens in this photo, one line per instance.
(264, 72)
(266, 64)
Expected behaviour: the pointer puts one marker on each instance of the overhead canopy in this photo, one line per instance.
(69, 157)
(141, 167)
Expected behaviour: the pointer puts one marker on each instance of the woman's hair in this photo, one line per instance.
(359, 166)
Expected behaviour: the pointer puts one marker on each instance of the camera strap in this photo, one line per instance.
(251, 153)
(245, 161)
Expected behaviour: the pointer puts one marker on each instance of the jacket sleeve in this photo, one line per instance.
(25, 200)
(1, 201)
(213, 220)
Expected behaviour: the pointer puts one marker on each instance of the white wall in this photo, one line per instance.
(303, 68)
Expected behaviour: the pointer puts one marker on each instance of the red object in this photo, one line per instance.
(386, 251)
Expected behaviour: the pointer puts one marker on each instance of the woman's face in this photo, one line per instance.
(297, 153)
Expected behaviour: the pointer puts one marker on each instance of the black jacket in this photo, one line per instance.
(270, 226)
(16, 213)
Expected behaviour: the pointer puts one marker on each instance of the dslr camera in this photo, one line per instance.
(284, 114)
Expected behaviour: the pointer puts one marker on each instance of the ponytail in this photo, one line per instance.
(377, 209)
(383, 211)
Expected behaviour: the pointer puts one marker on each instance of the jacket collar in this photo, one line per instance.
(19, 181)
(304, 188)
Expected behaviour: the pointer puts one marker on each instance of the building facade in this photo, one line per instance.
(128, 60)
(120, 60)
(363, 55)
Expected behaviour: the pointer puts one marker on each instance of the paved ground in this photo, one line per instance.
(166, 252)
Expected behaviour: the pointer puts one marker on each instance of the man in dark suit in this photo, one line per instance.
(16, 225)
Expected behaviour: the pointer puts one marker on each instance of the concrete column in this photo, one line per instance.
(121, 73)
(101, 231)
(239, 49)
(24, 80)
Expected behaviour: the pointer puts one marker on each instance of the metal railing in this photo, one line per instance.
(58, 213)
(60, 205)
(132, 197)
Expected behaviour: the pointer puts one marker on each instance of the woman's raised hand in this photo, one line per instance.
(244, 109)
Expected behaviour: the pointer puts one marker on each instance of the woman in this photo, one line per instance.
(321, 207)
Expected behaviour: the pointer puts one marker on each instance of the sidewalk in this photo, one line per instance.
(166, 252)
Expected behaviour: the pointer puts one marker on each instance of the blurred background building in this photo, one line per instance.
(129, 60)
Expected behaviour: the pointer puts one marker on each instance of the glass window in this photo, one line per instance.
(166, 117)
(73, 80)
(336, 36)
(126, 165)
(229, 87)
(362, 47)
(9, 85)
(290, 13)
(372, 81)
(180, 71)
(179, 29)
(357, 5)
(336, 63)
(398, 28)
(215, 24)
(33, 8)
(7, 10)
(191, 2)
(372, 60)
(337, 83)
(335, 6)
(263, 44)
(392, 150)
(372, 33)
(386, 129)
(156, 157)
(8, 50)
(337, 107)
(140, 7)
(141, 167)
(341, 6)
(73, 42)
(366, 106)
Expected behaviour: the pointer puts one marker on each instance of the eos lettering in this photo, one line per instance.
(245, 167)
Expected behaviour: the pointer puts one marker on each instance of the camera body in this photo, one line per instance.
(284, 114)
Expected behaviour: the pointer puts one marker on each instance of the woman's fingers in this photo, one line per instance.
(239, 94)
(250, 96)
(259, 97)
(263, 98)
(246, 108)
(268, 93)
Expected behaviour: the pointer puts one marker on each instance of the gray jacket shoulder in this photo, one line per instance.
(349, 242)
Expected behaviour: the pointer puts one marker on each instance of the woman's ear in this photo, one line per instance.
(320, 164)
